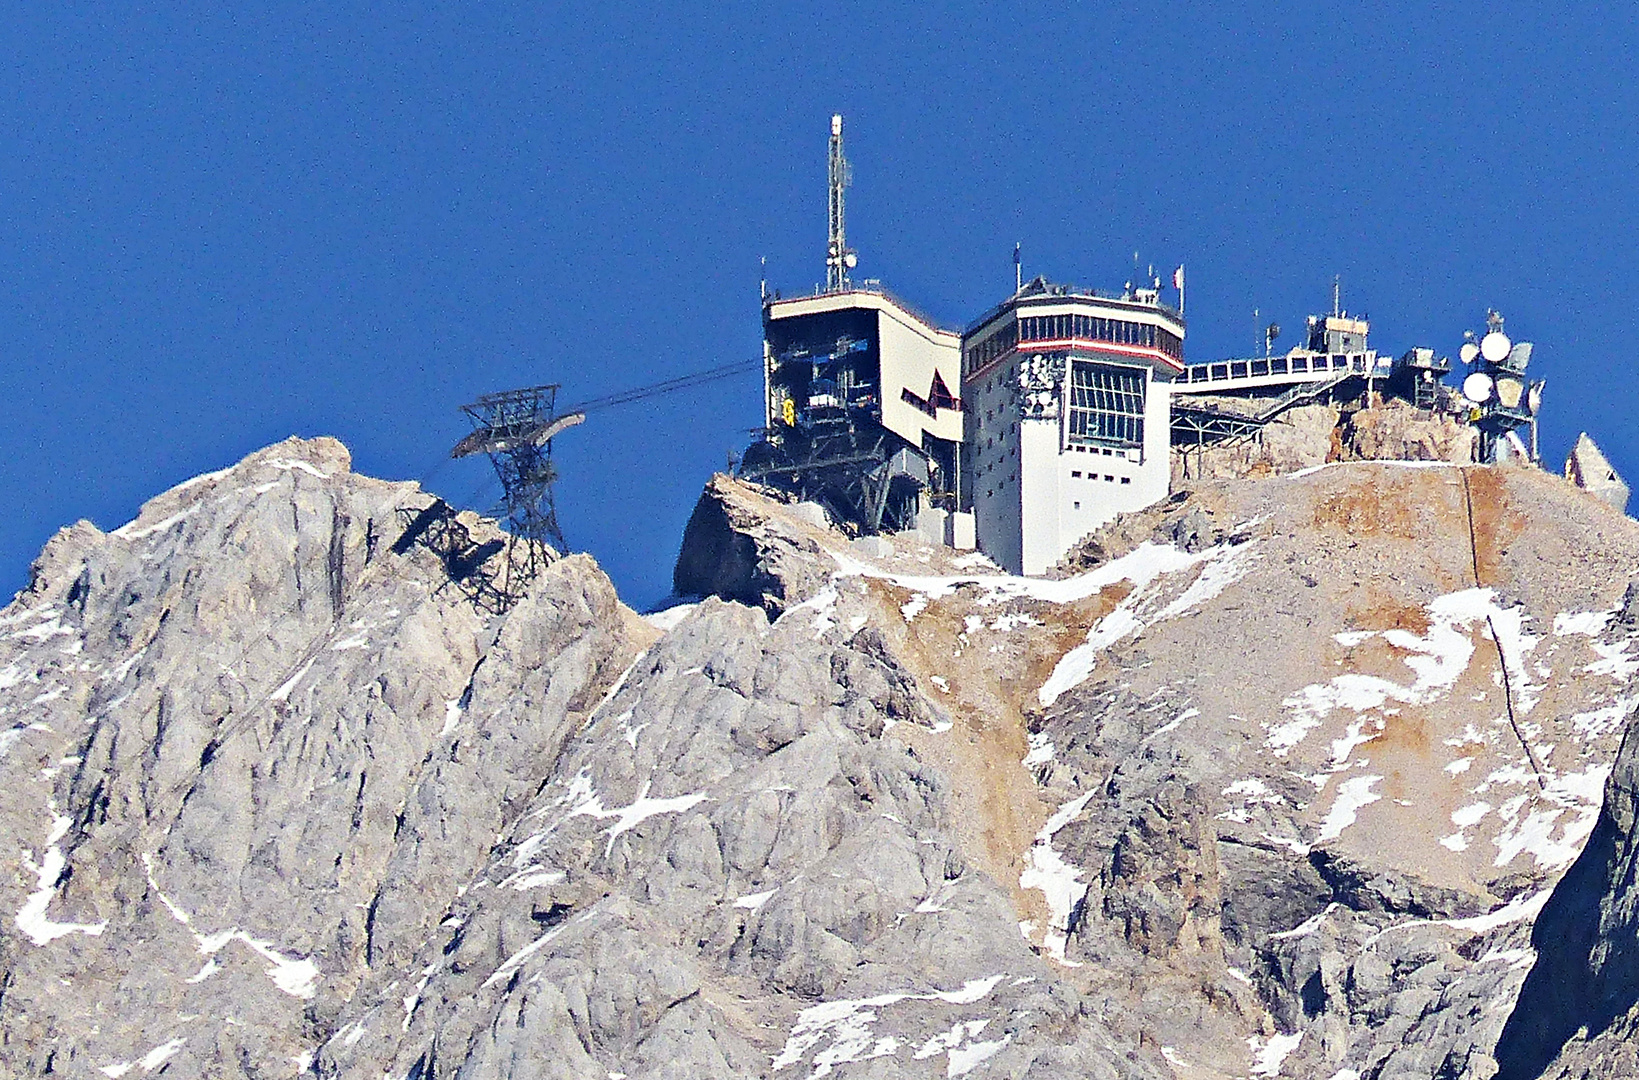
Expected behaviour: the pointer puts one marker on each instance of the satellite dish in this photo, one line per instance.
(1495, 346)
(1509, 391)
(851, 259)
(1469, 352)
(1477, 388)
(1533, 398)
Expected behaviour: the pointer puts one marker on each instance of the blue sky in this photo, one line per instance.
(217, 229)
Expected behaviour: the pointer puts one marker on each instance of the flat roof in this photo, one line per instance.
(1041, 291)
(875, 299)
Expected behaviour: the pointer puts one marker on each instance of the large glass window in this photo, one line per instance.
(1106, 404)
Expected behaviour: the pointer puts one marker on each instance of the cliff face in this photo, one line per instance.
(250, 755)
(1578, 1012)
(1274, 780)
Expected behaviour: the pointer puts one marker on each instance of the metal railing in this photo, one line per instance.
(1209, 422)
(1293, 367)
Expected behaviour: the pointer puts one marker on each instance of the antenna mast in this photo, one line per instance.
(839, 258)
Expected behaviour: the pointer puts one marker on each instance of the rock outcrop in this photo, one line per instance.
(1272, 780)
(736, 549)
(1309, 435)
(250, 755)
(1587, 468)
(1578, 1012)
(1300, 438)
(1395, 431)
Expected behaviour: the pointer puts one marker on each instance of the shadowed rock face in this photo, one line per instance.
(731, 550)
(1237, 795)
(1579, 1007)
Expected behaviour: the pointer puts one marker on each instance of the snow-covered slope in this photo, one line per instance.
(1276, 784)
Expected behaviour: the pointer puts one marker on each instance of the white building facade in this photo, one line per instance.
(1067, 399)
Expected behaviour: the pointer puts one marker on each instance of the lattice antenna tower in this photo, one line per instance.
(839, 257)
(514, 429)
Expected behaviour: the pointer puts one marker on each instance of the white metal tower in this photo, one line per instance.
(839, 258)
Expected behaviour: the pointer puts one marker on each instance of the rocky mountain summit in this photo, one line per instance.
(1314, 775)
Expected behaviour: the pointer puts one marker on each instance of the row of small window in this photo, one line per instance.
(1096, 328)
(1275, 365)
(1001, 459)
(991, 414)
(983, 352)
(999, 379)
(1075, 474)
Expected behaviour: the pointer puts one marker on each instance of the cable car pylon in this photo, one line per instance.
(515, 429)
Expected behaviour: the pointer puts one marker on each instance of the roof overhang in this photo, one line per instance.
(856, 300)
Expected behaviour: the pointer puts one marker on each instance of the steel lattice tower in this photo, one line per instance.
(839, 258)
(515, 430)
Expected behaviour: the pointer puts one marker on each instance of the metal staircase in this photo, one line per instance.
(1208, 423)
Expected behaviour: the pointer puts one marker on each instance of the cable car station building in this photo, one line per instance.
(1057, 410)
(1068, 416)
(861, 414)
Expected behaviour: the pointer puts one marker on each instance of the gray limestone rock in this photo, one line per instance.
(1578, 1009)
(1396, 431)
(1628, 613)
(283, 795)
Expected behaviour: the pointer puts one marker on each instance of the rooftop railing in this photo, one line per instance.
(1293, 367)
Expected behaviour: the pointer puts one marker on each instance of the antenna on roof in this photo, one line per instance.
(1337, 294)
(839, 258)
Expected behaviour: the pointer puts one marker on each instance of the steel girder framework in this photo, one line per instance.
(514, 429)
(850, 468)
